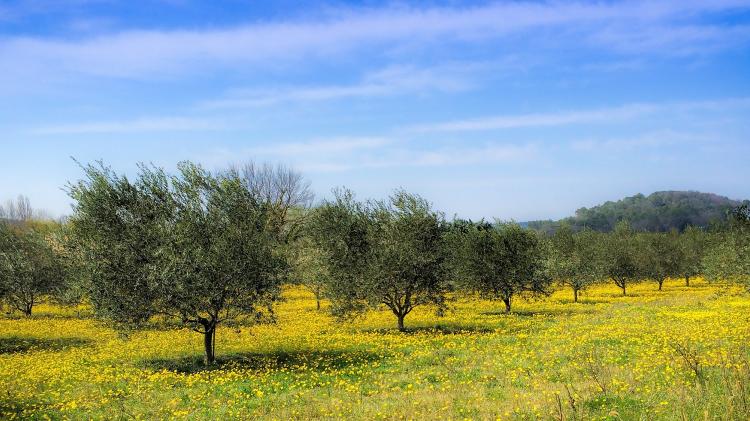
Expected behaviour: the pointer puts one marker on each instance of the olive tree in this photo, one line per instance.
(659, 256)
(621, 258)
(382, 253)
(309, 267)
(500, 261)
(29, 267)
(195, 246)
(729, 258)
(576, 258)
(693, 244)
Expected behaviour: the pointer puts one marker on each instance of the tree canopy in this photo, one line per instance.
(29, 267)
(387, 253)
(193, 245)
(500, 261)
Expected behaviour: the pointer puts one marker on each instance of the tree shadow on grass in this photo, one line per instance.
(18, 344)
(544, 312)
(439, 329)
(584, 301)
(267, 361)
(11, 407)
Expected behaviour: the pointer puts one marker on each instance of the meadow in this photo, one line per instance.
(681, 353)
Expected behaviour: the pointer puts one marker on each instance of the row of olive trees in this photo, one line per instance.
(210, 248)
(580, 259)
(400, 253)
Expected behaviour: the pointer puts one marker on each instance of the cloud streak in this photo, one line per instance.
(357, 153)
(394, 80)
(563, 118)
(156, 124)
(624, 27)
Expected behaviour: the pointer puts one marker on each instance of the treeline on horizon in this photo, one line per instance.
(658, 212)
(205, 249)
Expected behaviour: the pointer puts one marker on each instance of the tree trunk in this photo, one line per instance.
(687, 280)
(507, 304)
(401, 322)
(27, 309)
(209, 340)
(575, 295)
(623, 290)
(318, 295)
(661, 282)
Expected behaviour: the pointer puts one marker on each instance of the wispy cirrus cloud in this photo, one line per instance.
(340, 154)
(562, 118)
(651, 140)
(337, 145)
(152, 124)
(393, 80)
(628, 27)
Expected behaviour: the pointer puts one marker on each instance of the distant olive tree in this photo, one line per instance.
(621, 258)
(577, 258)
(309, 268)
(195, 246)
(29, 267)
(382, 253)
(500, 261)
(659, 256)
(729, 258)
(693, 242)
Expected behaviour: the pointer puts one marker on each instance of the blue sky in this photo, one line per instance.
(522, 110)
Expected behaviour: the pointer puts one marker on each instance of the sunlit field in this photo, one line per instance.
(677, 354)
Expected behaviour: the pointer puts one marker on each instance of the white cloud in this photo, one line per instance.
(628, 27)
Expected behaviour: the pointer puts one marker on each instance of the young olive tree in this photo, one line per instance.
(194, 246)
(659, 256)
(382, 253)
(576, 258)
(621, 258)
(309, 267)
(29, 267)
(500, 261)
(693, 244)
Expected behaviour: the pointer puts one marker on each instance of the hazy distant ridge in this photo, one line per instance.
(659, 211)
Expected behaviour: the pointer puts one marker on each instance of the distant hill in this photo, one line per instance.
(660, 211)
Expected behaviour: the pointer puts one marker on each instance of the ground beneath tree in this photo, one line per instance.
(679, 353)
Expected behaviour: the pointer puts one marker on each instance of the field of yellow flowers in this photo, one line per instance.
(678, 354)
